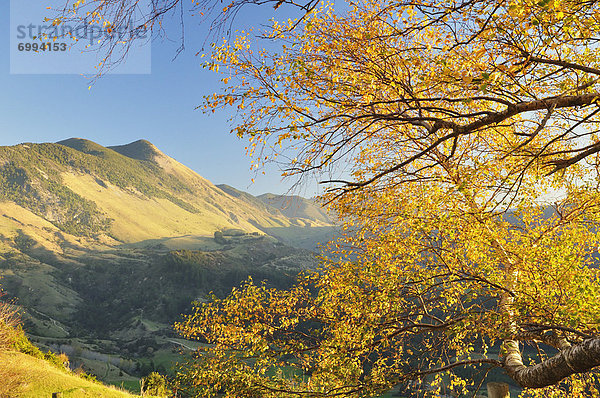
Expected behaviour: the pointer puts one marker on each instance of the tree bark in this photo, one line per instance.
(579, 358)
(498, 390)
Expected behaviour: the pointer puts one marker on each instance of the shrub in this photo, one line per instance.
(9, 320)
(10, 382)
(155, 384)
(219, 238)
(234, 232)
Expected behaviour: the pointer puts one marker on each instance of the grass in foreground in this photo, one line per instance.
(38, 378)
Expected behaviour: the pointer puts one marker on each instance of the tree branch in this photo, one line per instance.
(492, 119)
(578, 358)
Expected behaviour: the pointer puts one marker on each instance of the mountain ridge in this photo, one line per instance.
(125, 193)
(140, 149)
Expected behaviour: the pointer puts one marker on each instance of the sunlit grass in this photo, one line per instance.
(38, 378)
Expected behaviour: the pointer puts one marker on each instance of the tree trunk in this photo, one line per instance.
(579, 358)
(498, 390)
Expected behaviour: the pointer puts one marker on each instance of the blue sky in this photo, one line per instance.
(119, 109)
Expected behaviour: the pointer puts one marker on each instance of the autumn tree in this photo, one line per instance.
(464, 138)
(459, 142)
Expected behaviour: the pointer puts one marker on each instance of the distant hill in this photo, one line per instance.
(310, 226)
(140, 150)
(297, 207)
(250, 199)
(121, 194)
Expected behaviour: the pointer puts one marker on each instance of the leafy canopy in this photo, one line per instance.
(462, 140)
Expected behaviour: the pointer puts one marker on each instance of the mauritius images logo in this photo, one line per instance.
(43, 43)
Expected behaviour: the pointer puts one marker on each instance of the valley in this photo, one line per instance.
(103, 249)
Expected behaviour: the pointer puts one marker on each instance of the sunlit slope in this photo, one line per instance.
(41, 379)
(293, 206)
(128, 193)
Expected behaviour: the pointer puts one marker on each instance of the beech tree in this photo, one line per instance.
(463, 138)
(459, 142)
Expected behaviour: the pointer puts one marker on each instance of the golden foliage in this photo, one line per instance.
(465, 141)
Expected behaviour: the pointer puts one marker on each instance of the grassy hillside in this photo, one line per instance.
(111, 310)
(297, 207)
(38, 378)
(125, 193)
(25, 371)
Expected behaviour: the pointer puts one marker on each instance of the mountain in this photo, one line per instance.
(297, 207)
(121, 194)
(250, 200)
(140, 150)
(310, 225)
(104, 247)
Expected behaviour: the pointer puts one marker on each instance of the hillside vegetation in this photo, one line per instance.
(38, 378)
(25, 371)
(103, 249)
